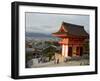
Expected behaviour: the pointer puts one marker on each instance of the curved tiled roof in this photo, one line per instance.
(72, 30)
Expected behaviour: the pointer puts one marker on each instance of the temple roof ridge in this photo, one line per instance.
(72, 30)
(74, 25)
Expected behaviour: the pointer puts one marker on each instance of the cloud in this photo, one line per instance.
(48, 23)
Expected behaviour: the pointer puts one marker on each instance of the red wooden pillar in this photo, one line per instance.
(64, 44)
(65, 50)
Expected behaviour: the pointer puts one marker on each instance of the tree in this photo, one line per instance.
(49, 52)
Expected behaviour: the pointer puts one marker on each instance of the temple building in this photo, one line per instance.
(72, 39)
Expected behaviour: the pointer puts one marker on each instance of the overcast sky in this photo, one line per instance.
(49, 23)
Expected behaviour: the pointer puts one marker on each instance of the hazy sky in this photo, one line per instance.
(49, 23)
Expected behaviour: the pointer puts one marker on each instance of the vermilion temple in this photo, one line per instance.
(72, 39)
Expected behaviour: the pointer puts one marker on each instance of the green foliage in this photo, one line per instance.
(48, 43)
(39, 43)
(29, 56)
(49, 52)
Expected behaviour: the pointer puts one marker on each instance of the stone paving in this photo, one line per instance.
(68, 63)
